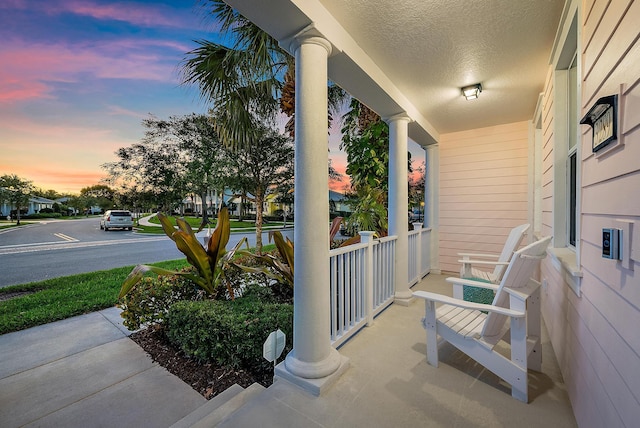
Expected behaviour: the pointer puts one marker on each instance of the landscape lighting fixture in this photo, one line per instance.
(471, 92)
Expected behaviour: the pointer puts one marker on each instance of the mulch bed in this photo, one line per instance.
(208, 379)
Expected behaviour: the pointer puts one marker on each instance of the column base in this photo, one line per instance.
(315, 386)
(403, 298)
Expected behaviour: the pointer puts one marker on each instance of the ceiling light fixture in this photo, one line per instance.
(471, 92)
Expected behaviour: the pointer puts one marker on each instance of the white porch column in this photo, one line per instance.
(398, 203)
(313, 363)
(432, 198)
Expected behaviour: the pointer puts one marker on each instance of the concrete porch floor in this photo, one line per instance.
(390, 384)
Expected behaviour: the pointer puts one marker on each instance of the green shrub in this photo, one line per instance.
(43, 214)
(242, 280)
(263, 294)
(149, 302)
(229, 333)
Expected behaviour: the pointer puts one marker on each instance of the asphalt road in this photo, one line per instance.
(51, 249)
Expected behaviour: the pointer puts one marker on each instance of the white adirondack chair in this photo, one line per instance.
(498, 261)
(468, 328)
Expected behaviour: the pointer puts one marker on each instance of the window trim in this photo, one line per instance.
(565, 257)
(573, 130)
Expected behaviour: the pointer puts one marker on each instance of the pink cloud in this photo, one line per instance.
(13, 88)
(14, 4)
(61, 180)
(27, 68)
(121, 111)
(340, 186)
(147, 15)
(64, 157)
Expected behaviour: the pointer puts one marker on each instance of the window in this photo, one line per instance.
(572, 153)
(565, 135)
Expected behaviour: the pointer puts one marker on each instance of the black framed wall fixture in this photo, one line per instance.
(602, 117)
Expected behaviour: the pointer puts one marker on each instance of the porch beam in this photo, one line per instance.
(398, 203)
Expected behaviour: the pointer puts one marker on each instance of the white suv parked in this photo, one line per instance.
(116, 219)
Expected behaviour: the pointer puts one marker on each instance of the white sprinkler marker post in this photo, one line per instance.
(273, 346)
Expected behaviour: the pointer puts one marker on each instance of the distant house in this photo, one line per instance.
(337, 202)
(65, 201)
(193, 203)
(214, 200)
(36, 203)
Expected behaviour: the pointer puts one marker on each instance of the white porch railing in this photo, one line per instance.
(420, 246)
(362, 279)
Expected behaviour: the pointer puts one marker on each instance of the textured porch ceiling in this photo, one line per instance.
(414, 55)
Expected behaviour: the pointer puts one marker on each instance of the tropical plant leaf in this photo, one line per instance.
(220, 237)
(184, 226)
(273, 268)
(335, 228)
(353, 240)
(136, 275)
(285, 248)
(167, 226)
(229, 255)
(197, 256)
(210, 263)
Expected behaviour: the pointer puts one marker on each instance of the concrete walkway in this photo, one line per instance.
(86, 372)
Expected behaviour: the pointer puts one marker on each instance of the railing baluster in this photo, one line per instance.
(362, 279)
(333, 302)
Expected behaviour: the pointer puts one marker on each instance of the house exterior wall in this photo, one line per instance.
(483, 190)
(594, 334)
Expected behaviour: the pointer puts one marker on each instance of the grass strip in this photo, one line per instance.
(59, 298)
(64, 297)
(195, 222)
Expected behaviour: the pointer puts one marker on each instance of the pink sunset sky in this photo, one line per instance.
(77, 78)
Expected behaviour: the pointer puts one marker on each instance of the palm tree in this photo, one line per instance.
(248, 82)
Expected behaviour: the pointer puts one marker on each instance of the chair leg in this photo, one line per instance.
(534, 361)
(519, 384)
(430, 326)
(534, 328)
(519, 388)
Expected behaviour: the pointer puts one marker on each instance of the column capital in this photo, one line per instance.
(397, 117)
(308, 35)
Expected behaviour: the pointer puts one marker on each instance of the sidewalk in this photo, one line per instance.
(85, 371)
(144, 221)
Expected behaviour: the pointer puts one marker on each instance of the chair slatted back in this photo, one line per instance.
(519, 271)
(510, 246)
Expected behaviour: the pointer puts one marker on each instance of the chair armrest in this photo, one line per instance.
(486, 256)
(523, 293)
(482, 262)
(434, 297)
(473, 283)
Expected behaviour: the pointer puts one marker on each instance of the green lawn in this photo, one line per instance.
(64, 297)
(59, 298)
(195, 222)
